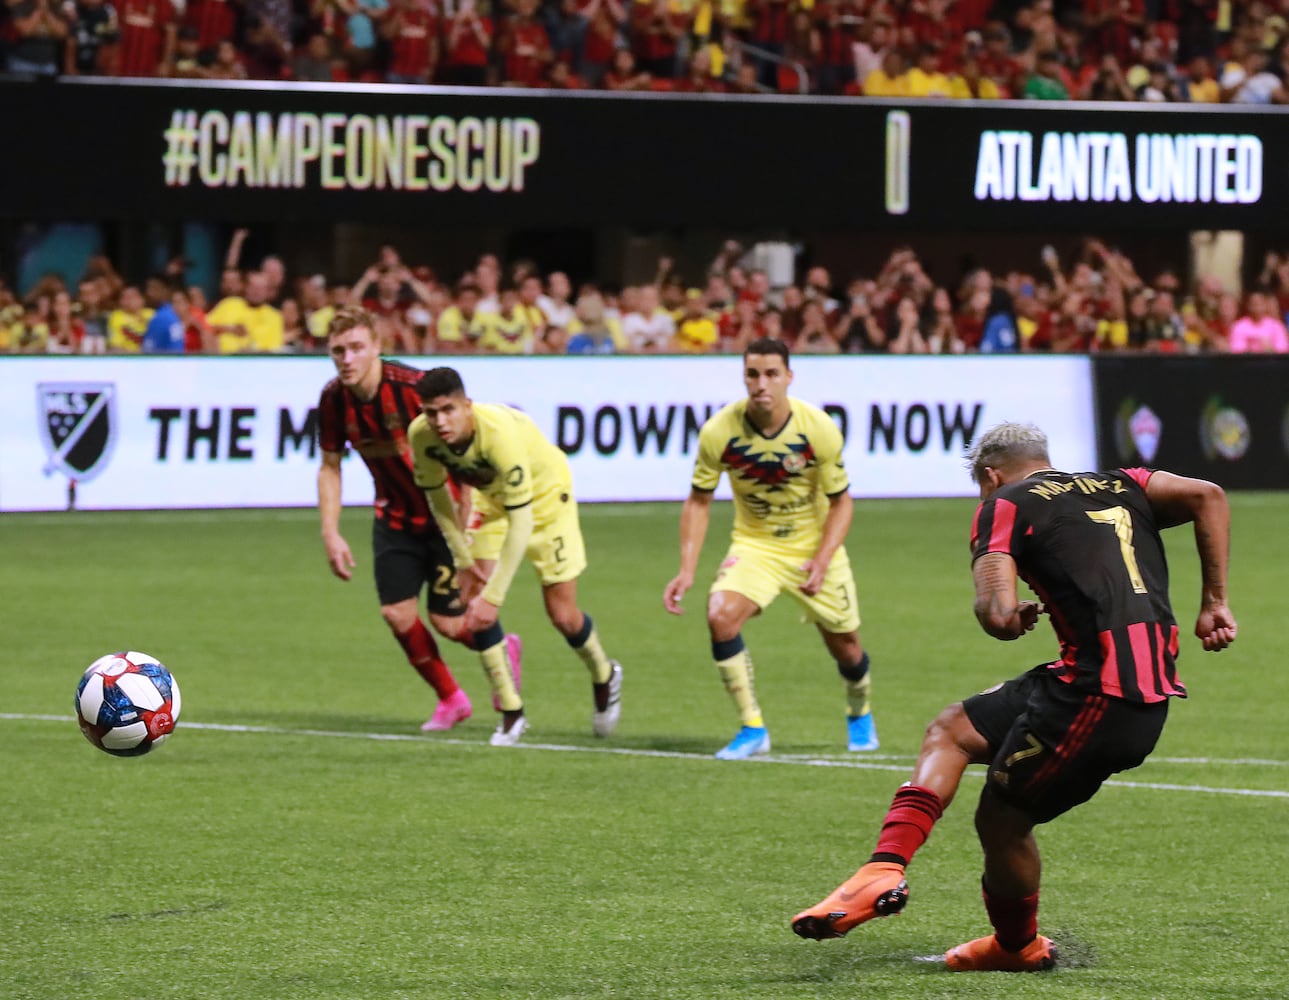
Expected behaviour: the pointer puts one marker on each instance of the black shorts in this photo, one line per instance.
(404, 562)
(1054, 746)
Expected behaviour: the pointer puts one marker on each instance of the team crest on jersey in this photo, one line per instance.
(77, 427)
(770, 469)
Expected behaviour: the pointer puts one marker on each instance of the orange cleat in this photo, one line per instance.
(987, 955)
(877, 890)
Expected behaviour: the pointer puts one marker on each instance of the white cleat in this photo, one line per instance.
(503, 737)
(603, 723)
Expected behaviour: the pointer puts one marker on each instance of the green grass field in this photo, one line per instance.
(299, 838)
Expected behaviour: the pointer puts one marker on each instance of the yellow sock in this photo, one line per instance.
(736, 673)
(857, 696)
(592, 654)
(497, 669)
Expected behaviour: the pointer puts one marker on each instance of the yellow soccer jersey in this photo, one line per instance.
(781, 484)
(455, 328)
(513, 335)
(125, 330)
(509, 461)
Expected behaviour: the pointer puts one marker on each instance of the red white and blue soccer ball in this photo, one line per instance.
(127, 703)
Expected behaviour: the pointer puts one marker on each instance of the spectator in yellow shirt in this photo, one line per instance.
(925, 79)
(970, 82)
(248, 325)
(1112, 332)
(1200, 86)
(127, 322)
(509, 330)
(696, 332)
(890, 79)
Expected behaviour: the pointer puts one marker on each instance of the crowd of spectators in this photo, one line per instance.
(1148, 50)
(1097, 302)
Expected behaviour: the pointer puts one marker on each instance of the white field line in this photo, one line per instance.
(869, 762)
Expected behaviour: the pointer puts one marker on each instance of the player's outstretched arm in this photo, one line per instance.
(1177, 500)
(339, 557)
(695, 516)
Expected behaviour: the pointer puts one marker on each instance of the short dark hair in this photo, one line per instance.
(440, 382)
(768, 345)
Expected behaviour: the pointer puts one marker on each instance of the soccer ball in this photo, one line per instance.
(127, 703)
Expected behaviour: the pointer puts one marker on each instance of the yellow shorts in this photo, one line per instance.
(761, 575)
(555, 549)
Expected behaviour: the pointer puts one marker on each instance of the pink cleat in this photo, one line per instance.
(451, 710)
(515, 654)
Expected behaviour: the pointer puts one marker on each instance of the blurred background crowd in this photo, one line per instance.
(1149, 50)
(1097, 301)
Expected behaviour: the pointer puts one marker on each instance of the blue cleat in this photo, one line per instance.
(861, 733)
(748, 742)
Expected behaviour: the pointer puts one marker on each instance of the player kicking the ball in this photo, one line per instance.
(523, 507)
(1089, 546)
(792, 510)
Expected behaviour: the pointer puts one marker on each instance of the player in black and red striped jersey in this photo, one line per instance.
(1089, 546)
(367, 407)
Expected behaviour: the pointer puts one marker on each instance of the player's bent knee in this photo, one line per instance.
(725, 618)
(399, 617)
(450, 627)
(999, 824)
(567, 620)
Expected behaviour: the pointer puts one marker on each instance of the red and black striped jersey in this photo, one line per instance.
(1088, 546)
(377, 430)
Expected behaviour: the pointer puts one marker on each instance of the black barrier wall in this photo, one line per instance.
(382, 154)
(1224, 419)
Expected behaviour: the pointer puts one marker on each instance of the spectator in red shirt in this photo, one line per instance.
(623, 75)
(215, 21)
(838, 33)
(524, 46)
(228, 63)
(699, 79)
(655, 33)
(770, 32)
(560, 76)
(1000, 65)
(148, 32)
(266, 48)
(1113, 27)
(468, 39)
(411, 27)
(936, 23)
(603, 19)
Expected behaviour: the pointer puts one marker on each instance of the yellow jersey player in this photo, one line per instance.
(523, 507)
(792, 509)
